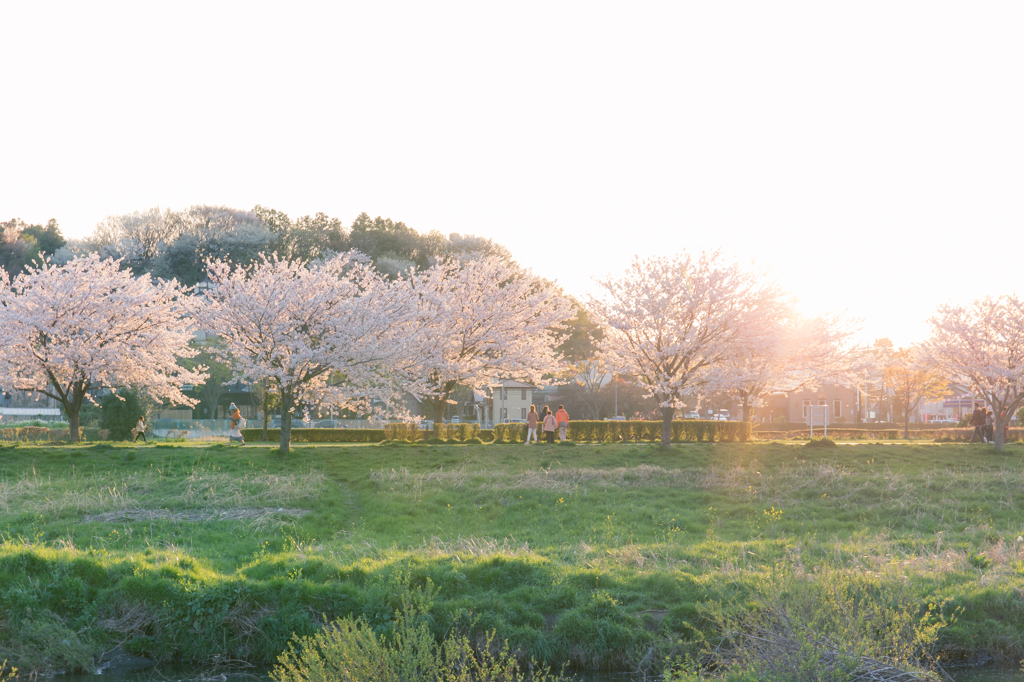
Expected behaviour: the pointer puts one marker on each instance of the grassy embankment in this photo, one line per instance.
(606, 556)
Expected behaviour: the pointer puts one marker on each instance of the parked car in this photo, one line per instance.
(719, 418)
(691, 415)
(509, 420)
(942, 420)
(328, 424)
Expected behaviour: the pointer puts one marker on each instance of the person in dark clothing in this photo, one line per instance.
(978, 422)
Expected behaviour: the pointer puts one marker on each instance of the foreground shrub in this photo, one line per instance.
(349, 650)
(829, 626)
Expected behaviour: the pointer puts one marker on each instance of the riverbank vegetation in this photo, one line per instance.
(611, 556)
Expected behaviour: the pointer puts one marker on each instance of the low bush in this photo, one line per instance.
(839, 626)
(403, 431)
(320, 435)
(457, 432)
(35, 434)
(52, 425)
(509, 433)
(689, 430)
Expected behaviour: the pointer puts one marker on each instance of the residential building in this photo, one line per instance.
(509, 400)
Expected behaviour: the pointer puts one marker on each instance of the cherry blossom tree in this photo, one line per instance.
(330, 330)
(982, 344)
(790, 352)
(669, 321)
(912, 379)
(67, 330)
(481, 320)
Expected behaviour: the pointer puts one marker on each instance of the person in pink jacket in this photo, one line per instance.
(531, 424)
(549, 426)
(562, 419)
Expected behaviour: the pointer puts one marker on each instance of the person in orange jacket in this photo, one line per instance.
(562, 419)
(236, 425)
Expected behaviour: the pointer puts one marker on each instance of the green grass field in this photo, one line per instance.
(603, 556)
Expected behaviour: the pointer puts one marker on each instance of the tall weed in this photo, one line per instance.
(349, 650)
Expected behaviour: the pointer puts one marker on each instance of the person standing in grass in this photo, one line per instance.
(531, 424)
(236, 425)
(978, 422)
(549, 426)
(562, 419)
(990, 426)
(140, 430)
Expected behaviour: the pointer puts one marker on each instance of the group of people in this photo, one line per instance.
(984, 422)
(550, 421)
(234, 435)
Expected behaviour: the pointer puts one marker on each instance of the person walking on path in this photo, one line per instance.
(531, 424)
(140, 430)
(978, 422)
(549, 427)
(990, 426)
(562, 419)
(237, 422)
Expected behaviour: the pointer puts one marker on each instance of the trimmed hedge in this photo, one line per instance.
(389, 432)
(688, 430)
(320, 435)
(412, 432)
(949, 434)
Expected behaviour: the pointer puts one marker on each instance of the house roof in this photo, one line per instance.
(509, 383)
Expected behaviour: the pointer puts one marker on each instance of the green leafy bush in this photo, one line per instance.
(119, 413)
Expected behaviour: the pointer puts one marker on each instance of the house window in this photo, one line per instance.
(524, 397)
(504, 413)
(807, 403)
(837, 408)
(504, 394)
(523, 411)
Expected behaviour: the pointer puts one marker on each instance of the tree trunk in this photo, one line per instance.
(906, 420)
(440, 403)
(666, 426)
(997, 434)
(73, 417)
(73, 406)
(286, 420)
(266, 422)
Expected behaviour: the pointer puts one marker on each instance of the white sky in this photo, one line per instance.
(870, 154)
